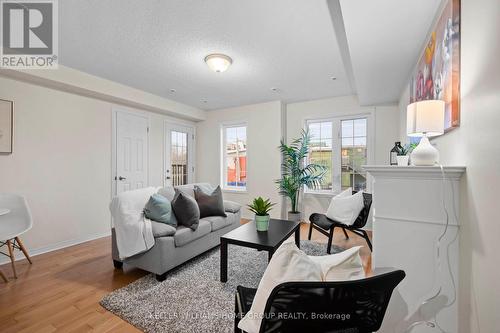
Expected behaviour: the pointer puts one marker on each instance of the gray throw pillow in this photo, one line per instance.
(210, 204)
(186, 210)
(159, 209)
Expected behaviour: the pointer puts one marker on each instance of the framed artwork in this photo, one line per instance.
(6, 126)
(437, 75)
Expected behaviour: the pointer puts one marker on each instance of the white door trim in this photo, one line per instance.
(191, 147)
(114, 112)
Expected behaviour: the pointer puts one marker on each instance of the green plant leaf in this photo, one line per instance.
(261, 207)
(294, 173)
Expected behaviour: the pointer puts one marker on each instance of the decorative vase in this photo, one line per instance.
(262, 222)
(294, 216)
(403, 160)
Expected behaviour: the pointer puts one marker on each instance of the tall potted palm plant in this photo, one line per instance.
(296, 172)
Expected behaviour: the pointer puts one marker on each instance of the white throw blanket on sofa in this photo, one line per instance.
(133, 230)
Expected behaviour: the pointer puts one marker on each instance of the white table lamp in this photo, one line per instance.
(425, 119)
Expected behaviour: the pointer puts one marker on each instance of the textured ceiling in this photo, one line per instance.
(385, 39)
(158, 45)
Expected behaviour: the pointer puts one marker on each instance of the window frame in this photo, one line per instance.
(223, 157)
(337, 148)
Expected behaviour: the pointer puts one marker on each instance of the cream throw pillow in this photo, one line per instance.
(343, 266)
(345, 207)
(288, 263)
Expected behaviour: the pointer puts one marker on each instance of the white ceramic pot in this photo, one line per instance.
(295, 217)
(403, 160)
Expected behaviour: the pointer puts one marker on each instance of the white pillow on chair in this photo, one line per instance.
(343, 266)
(345, 207)
(288, 263)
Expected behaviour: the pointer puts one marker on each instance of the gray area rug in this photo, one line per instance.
(192, 299)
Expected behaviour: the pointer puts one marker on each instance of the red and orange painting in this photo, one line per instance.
(437, 75)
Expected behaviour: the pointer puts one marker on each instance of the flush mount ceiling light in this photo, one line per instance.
(218, 62)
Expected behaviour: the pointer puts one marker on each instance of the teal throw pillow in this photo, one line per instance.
(159, 209)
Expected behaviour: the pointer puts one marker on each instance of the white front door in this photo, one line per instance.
(131, 148)
(179, 145)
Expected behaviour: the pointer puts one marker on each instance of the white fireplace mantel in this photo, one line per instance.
(419, 172)
(408, 218)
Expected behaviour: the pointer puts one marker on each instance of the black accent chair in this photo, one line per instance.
(326, 226)
(355, 306)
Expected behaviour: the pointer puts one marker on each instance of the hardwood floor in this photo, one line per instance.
(61, 290)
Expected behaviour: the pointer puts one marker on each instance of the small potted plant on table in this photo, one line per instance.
(261, 208)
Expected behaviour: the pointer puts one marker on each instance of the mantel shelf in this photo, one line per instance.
(420, 172)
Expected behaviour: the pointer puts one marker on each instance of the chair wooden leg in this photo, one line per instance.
(365, 236)
(21, 245)
(345, 233)
(11, 255)
(330, 238)
(310, 230)
(2, 275)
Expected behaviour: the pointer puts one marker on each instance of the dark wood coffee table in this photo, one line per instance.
(248, 236)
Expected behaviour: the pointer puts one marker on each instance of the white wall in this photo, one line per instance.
(386, 132)
(84, 84)
(263, 137)
(475, 145)
(62, 162)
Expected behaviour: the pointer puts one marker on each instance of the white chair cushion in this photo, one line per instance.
(345, 207)
(287, 264)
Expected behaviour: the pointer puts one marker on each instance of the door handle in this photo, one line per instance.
(167, 177)
(120, 178)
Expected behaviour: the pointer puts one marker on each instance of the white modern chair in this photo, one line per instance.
(16, 222)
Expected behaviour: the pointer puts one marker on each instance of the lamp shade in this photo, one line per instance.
(425, 118)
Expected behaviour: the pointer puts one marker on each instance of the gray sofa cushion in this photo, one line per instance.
(185, 235)
(186, 210)
(168, 192)
(231, 206)
(210, 204)
(189, 188)
(219, 222)
(162, 229)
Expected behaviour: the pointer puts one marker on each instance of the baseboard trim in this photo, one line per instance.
(57, 246)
